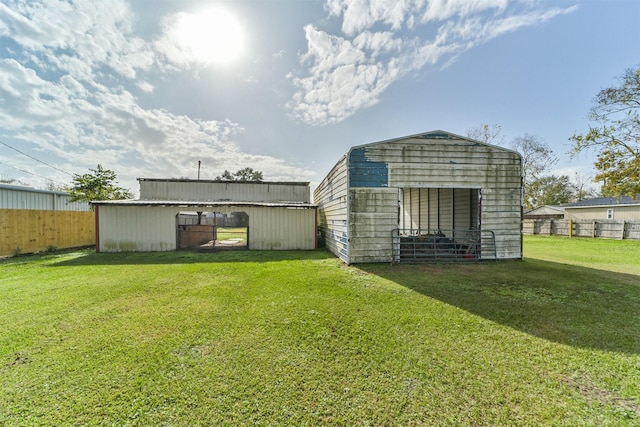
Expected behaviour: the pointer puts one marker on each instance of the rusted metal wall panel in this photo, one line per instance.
(232, 191)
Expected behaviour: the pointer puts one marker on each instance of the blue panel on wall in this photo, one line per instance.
(365, 173)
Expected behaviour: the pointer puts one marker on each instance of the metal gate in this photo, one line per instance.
(423, 245)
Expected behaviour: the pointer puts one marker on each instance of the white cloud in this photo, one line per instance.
(77, 36)
(380, 43)
(66, 92)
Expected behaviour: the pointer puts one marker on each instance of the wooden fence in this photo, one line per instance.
(610, 229)
(28, 231)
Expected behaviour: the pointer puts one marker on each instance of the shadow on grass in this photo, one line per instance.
(572, 305)
(190, 257)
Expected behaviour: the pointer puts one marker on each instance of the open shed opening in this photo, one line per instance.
(212, 230)
(441, 224)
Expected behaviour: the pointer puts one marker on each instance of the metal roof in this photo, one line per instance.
(604, 201)
(224, 182)
(437, 135)
(209, 203)
(31, 190)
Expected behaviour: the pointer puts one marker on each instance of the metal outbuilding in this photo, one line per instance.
(434, 196)
(18, 197)
(279, 215)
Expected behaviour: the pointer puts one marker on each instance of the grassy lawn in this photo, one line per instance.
(297, 338)
(225, 233)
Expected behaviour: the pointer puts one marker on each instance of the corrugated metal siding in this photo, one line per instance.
(136, 228)
(153, 228)
(210, 191)
(428, 170)
(331, 198)
(18, 198)
(372, 215)
(282, 228)
(432, 208)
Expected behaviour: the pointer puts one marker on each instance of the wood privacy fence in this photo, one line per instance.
(611, 229)
(27, 231)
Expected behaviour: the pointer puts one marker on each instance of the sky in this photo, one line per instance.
(170, 89)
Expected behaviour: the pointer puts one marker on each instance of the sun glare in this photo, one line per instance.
(213, 35)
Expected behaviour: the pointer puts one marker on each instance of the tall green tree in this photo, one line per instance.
(614, 133)
(99, 184)
(549, 190)
(242, 175)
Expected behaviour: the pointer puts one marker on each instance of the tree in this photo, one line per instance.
(537, 157)
(615, 135)
(243, 175)
(487, 134)
(549, 190)
(100, 184)
(583, 191)
(54, 186)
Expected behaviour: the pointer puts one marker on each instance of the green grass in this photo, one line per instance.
(297, 338)
(224, 233)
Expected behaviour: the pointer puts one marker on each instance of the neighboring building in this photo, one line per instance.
(434, 196)
(545, 212)
(612, 208)
(280, 215)
(17, 197)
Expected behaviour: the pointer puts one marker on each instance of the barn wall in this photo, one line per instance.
(449, 168)
(153, 228)
(212, 191)
(281, 228)
(136, 228)
(373, 215)
(331, 198)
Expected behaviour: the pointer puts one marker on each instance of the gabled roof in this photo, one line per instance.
(440, 135)
(604, 201)
(546, 210)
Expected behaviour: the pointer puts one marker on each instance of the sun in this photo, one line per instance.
(213, 35)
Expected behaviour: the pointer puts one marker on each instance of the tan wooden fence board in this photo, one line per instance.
(608, 229)
(27, 231)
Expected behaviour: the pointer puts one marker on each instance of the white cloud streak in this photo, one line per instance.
(382, 41)
(69, 91)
